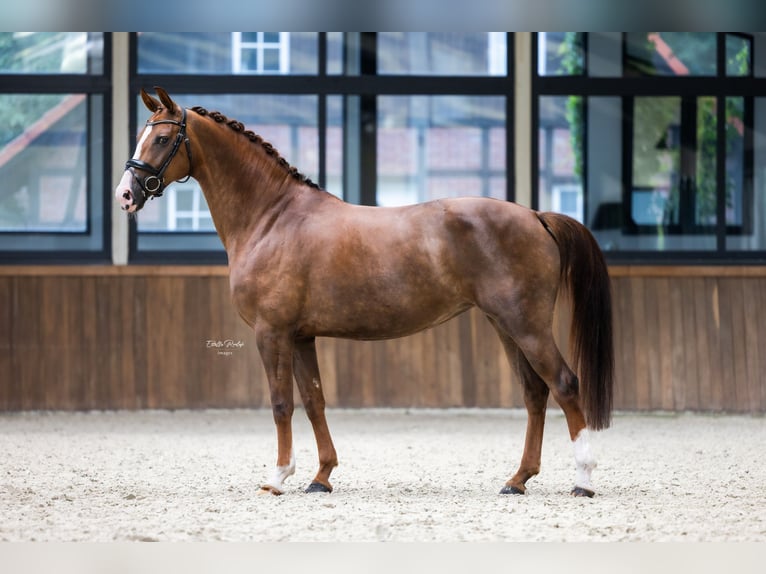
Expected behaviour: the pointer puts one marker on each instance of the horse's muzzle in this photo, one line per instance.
(126, 197)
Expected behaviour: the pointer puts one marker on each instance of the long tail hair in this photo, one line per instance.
(584, 273)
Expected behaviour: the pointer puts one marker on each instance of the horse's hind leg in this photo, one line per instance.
(531, 332)
(306, 368)
(545, 359)
(536, 400)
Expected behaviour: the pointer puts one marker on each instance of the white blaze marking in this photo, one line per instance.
(144, 137)
(584, 460)
(280, 474)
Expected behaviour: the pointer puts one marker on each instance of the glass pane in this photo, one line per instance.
(334, 138)
(738, 54)
(224, 52)
(656, 162)
(605, 213)
(43, 162)
(51, 53)
(560, 155)
(670, 54)
(271, 60)
(250, 60)
(335, 52)
(736, 168)
(440, 146)
(560, 53)
(705, 170)
(673, 186)
(605, 54)
(288, 122)
(442, 53)
(746, 184)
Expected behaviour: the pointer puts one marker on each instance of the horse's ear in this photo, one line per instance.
(149, 101)
(169, 104)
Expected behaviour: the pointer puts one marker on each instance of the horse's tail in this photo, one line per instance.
(584, 273)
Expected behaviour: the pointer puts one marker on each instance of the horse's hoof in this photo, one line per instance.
(511, 490)
(317, 487)
(268, 489)
(579, 491)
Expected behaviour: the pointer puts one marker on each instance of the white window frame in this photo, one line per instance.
(497, 56)
(558, 190)
(238, 47)
(198, 212)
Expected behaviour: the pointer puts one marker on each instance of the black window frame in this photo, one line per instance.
(719, 86)
(365, 83)
(90, 85)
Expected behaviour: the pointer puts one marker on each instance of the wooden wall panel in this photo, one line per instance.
(130, 338)
(8, 385)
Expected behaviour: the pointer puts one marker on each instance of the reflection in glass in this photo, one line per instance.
(656, 162)
(736, 178)
(442, 53)
(227, 52)
(705, 184)
(738, 55)
(560, 140)
(440, 146)
(560, 53)
(670, 54)
(43, 162)
(51, 52)
(748, 199)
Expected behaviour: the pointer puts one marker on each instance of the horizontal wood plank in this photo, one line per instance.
(687, 338)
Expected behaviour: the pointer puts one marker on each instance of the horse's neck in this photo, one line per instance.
(243, 185)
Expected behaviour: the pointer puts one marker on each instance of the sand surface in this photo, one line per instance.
(417, 475)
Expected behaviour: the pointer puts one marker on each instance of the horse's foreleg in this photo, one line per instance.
(277, 354)
(306, 370)
(536, 400)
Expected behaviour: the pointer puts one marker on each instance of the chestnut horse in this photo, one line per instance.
(304, 264)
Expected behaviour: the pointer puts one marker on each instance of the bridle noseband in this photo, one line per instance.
(153, 185)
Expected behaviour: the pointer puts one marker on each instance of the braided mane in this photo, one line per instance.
(253, 137)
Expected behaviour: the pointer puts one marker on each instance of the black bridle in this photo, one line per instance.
(154, 184)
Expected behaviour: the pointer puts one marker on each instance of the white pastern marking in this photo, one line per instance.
(584, 460)
(280, 474)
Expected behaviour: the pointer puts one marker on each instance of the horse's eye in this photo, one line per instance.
(162, 140)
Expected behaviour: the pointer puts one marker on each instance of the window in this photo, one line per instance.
(260, 52)
(381, 119)
(652, 140)
(186, 209)
(52, 146)
(441, 53)
(440, 146)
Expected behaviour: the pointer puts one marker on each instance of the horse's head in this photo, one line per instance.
(156, 157)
